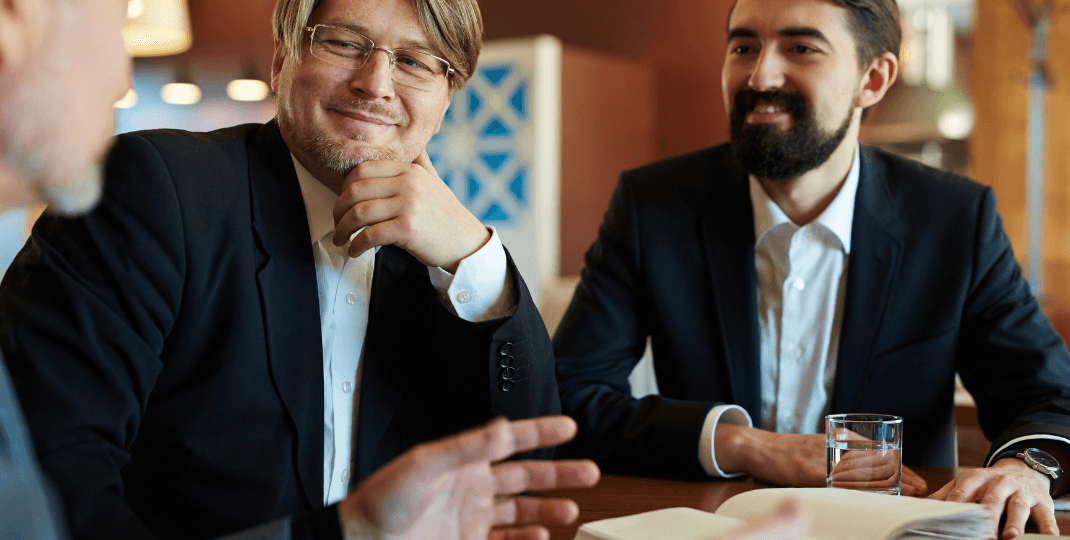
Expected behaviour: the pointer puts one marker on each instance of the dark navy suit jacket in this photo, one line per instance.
(167, 351)
(932, 289)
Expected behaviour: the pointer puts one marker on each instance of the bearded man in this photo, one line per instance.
(793, 273)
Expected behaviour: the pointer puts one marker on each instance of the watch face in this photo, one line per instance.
(1042, 458)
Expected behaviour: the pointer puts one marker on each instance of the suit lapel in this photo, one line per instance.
(871, 273)
(289, 299)
(728, 237)
(394, 303)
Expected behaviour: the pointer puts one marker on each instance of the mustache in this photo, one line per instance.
(371, 107)
(746, 99)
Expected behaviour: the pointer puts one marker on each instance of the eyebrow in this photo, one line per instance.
(794, 31)
(363, 30)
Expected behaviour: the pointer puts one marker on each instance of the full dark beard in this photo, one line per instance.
(766, 151)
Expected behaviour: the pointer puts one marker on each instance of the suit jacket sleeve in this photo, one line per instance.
(1009, 356)
(600, 340)
(84, 322)
(516, 369)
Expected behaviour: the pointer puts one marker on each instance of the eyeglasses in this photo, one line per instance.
(350, 50)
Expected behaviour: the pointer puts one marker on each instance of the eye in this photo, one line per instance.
(412, 61)
(803, 49)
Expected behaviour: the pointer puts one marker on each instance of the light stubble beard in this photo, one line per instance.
(329, 151)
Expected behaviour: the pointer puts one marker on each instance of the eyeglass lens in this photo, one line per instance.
(351, 50)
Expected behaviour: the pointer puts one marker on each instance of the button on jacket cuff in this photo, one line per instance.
(729, 414)
(482, 289)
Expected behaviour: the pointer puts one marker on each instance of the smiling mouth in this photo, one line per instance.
(362, 116)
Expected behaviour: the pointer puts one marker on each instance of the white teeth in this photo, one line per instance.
(767, 109)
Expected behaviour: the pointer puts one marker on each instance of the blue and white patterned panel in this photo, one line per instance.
(498, 150)
(479, 150)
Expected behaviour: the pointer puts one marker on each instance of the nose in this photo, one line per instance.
(768, 72)
(374, 80)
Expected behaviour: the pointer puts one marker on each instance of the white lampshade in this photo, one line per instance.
(179, 93)
(247, 90)
(157, 27)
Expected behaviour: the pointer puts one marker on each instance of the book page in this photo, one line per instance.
(667, 524)
(840, 514)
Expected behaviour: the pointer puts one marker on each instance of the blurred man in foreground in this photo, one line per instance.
(62, 66)
(794, 273)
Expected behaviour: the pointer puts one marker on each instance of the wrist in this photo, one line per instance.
(734, 446)
(478, 240)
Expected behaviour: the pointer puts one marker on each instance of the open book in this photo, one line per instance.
(838, 514)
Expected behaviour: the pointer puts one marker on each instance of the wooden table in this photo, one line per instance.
(617, 496)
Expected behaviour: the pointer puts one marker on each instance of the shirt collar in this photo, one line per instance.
(838, 217)
(319, 203)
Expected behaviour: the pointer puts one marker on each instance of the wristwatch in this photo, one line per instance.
(1040, 461)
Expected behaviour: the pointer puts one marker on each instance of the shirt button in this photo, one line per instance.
(464, 297)
(799, 284)
(351, 298)
(347, 387)
(345, 475)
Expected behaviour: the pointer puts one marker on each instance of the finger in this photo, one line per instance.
(361, 190)
(1019, 506)
(424, 161)
(535, 510)
(520, 476)
(363, 214)
(941, 494)
(384, 233)
(490, 442)
(531, 532)
(1044, 517)
(968, 488)
(912, 480)
(541, 432)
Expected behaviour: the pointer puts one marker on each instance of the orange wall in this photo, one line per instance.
(998, 147)
(683, 40)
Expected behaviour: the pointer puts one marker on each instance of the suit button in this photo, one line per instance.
(506, 361)
(507, 374)
(506, 349)
(507, 385)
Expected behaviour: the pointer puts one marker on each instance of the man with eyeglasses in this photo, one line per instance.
(255, 319)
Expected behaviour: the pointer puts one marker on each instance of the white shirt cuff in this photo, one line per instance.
(480, 290)
(1028, 438)
(729, 414)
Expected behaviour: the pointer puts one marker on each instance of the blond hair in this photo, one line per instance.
(455, 28)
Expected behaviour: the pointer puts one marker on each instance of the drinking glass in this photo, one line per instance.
(864, 452)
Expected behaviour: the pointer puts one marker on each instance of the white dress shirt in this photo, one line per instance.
(481, 290)
(801, 276)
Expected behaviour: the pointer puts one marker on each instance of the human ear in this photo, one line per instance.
(277, 62)
(877, 79)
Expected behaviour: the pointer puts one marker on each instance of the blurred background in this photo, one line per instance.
(535, 144)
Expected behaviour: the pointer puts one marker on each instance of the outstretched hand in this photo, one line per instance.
(453, 488)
